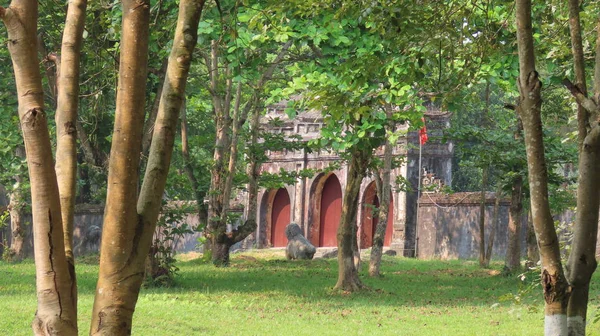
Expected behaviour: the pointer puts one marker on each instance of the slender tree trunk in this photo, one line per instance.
(512, 262)
(216, 229)
(554, 283)
(121, 266)
(189, 170)
(165, 127)
(15, 208)
(348, 279)
(66, 120)
(228, 130)
(582, 260)
(56, 312)
(384, 209)
(253, 169)
(150, 122)
(484, 178)
(493, 228)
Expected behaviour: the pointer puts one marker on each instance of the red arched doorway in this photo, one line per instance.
(280, 218)
(331, 211)
(369, 220)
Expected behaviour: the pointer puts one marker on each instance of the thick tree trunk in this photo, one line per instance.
(484, 178)
(554, 283)
(165, 127)
(121, 267)
(582, 260)
(348, 279)
(56, 312)
(221, 241)
(512, 262)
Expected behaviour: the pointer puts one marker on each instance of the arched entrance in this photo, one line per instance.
(369, 218)
(280, 218)
(331, 211)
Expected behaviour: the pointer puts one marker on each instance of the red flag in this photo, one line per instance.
(423, 133)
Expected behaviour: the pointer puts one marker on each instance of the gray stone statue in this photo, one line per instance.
(298, 247)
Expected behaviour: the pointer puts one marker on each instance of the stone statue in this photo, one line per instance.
(298, 247)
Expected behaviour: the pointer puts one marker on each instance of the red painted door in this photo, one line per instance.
(331, 211)
(369, 222)
(280, 218)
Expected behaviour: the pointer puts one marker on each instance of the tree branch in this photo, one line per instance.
(511, 107)
(580, 97)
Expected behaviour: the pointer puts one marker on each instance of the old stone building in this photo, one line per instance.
(315, 203)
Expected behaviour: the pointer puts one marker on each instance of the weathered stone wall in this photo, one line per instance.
(449, 226)
(88, 228)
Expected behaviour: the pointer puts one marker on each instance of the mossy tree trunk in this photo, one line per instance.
(348, 279)
(384, 191)
(56, 309)
(512, 262)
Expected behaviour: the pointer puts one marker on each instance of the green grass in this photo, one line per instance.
(263, 294)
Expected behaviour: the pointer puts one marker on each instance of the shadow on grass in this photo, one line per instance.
(406, 282)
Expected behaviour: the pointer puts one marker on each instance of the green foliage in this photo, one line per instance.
(170, 228)
(5, 248)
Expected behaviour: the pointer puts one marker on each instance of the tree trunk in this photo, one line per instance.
(384, 191)
(151, 120)
(533, 254)
(493, 228)
(15, 208)
(221, 241)
(582, 260)
(554, 283)
(56, 312)
(253, 169)
(165, 127)
(121, 266)
(512, 262)
(189, 170)
(66, 120)
(484, 178)
(348, 279)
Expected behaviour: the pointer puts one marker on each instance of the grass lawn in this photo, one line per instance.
(263, 294)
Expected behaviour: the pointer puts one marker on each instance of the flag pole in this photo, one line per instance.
(418, 197)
